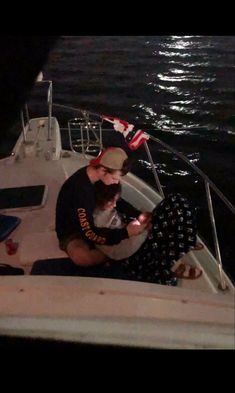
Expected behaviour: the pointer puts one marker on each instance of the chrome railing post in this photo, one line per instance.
(82, 137)
(49, 101)
(23, 126)
(101, 136)
(49, 110)
(27, 115)
(154, 170)
(215, 237)
(70, 137)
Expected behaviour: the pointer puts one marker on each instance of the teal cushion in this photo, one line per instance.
(7, 225)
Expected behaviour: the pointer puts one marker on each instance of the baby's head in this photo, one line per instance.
(107, 196)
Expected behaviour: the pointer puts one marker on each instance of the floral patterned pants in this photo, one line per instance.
(173, 234)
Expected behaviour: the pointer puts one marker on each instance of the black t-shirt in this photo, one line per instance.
(74, 212)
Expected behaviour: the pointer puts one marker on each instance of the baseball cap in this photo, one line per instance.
(112, 157)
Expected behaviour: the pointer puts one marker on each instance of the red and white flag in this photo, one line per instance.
(138, 139)
(124, 128)
(121, 126)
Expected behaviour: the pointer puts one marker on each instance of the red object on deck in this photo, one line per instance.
(11, 247)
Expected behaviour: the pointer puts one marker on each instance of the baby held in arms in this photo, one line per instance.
(106, 216)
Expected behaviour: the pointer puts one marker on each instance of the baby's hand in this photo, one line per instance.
(145, 217)
(135, 228)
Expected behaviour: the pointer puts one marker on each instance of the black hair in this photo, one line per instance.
(104, 194)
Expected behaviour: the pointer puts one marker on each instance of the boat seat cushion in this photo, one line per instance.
(66, 267)
(7, 225)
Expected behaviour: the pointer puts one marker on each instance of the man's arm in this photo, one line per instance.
(126, 247)
(98, 235)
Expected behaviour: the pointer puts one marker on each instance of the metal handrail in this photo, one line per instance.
(85, 124)
(50, 104)
(23, 125)
(197, 170)
(85, 113)
(215, 237)
(154, 170)
(49, 100)
(80, 122)
(208, 183)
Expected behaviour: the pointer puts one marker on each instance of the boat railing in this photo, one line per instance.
(39, 80)
(90, 135)
(208, 185)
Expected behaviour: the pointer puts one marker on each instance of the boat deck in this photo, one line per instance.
(44, 162)
(98, 310)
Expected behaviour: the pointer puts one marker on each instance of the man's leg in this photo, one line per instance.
(80, 253)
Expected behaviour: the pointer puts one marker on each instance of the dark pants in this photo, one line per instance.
(173, 235)
(66, 267)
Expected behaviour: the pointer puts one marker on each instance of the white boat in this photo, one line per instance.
(196, 314)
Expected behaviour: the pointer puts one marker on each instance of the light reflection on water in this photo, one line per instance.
(177, 71)
(188, 78)
(141, 78)
(183, 36)
(188, 110)
(180, 44)
(194, 81)
(190, 65)
(165, 169)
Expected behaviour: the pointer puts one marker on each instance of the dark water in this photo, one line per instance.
(178, 88)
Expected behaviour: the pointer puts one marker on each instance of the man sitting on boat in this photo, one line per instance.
(75, 228)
